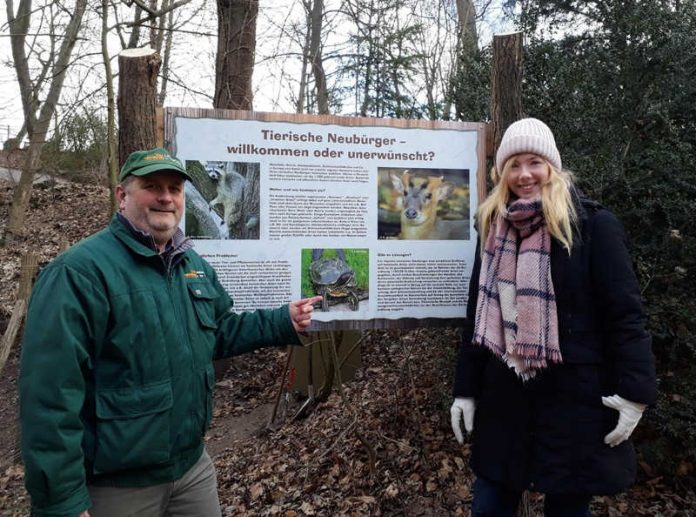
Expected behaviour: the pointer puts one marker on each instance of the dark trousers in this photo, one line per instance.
(493, 500)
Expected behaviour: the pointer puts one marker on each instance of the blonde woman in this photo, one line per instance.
(555, 367)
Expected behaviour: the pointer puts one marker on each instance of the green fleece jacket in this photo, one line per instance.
(116, 373)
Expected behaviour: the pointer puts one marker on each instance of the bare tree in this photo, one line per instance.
(161, 24)
(466, 46)
(166, 53)
(40, 87)
(138, 126)
(382, 57)
(435, 43)
(394, 58)
(312, 56)
(466, 14)
(111, 141)
(302, 93)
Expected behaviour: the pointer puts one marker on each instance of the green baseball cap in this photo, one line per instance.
(142, 163)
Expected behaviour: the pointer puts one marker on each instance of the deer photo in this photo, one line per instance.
(419, 197)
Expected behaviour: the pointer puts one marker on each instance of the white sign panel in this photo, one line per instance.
(375, 216)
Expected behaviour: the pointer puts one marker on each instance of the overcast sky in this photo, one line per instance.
(194, 61)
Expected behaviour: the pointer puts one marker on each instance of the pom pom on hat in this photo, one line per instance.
(528, 135)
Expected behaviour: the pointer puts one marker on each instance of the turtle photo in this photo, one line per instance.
(333, 278)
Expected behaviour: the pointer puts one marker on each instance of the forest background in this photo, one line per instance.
(614, 79)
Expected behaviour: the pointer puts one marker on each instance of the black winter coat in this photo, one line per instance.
(547, 434)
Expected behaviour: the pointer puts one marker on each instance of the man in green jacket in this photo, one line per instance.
(116, 373)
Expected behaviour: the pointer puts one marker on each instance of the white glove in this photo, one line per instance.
(629, 416)
(462, 408)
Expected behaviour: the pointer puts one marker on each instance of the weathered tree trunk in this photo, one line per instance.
(317, 17)
(506, 83)
(137, 100)
(234, 64)
(22, 193)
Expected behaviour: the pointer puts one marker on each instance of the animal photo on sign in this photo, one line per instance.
(222, 200)
(423, 204)
(340, 276)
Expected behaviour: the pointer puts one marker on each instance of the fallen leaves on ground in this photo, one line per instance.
(399, 402)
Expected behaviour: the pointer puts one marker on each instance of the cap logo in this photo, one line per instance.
(159, 156)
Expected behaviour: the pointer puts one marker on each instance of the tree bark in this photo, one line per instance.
(137, 100)
(466, 16)
(134, 38)
(22, 193)
(168, 38)
(317, 17)
(234, 64)
(466, 51)
(506, 83)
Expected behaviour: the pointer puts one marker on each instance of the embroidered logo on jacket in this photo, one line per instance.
(195, 274)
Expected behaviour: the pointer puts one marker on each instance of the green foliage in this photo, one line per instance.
(471, 86)
(77, 146)
(620, 96)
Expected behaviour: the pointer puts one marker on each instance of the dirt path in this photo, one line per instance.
(226, 431)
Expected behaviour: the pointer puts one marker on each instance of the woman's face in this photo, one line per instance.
(527, 175)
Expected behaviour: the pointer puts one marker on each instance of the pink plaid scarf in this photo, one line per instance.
(516, 310)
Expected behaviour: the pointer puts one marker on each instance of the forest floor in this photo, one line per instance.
(398, 402)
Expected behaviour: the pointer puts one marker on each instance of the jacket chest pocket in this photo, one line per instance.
(136, 351)
(203, 297)
(132, 427)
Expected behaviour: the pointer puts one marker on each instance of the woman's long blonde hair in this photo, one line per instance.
(556, 199)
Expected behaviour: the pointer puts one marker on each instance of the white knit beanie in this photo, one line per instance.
(528, 135)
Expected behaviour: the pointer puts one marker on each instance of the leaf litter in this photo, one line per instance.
(316, 465)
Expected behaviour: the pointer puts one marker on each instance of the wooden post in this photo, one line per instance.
(30, 264)
(506, 83)
(137, 100)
